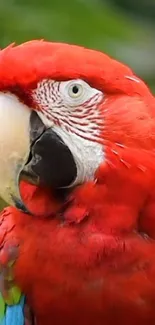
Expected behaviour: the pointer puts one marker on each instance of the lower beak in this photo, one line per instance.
(31, 152)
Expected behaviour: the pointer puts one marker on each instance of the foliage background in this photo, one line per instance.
(125, 29)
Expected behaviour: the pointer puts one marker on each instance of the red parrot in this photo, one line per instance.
(77, 146)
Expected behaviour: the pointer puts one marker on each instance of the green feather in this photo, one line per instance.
(14, 295)
(2, 307)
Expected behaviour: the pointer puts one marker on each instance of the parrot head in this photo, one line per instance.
(65, 110)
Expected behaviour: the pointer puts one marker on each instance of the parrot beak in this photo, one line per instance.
(30, 151)
(14, 145)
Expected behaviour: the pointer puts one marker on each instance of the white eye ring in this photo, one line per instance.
(75, 90)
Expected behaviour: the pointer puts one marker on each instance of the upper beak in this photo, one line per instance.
(30, 151)
(14, 145)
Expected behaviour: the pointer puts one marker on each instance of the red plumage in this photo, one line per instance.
(82, 272)
(93, 261)
(30, 62)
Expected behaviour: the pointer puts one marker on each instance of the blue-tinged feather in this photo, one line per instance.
(14, 315)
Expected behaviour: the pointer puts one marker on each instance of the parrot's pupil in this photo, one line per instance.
(75, 89)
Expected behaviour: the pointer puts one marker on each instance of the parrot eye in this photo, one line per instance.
(75, 90)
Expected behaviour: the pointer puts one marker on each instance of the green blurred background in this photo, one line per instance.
(124, 29)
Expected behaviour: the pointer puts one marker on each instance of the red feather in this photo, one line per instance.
(26, 64)
(93, 261)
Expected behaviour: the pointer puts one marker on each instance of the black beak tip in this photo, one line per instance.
(20, 205)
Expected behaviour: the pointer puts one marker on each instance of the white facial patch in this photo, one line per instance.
(71, 108)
